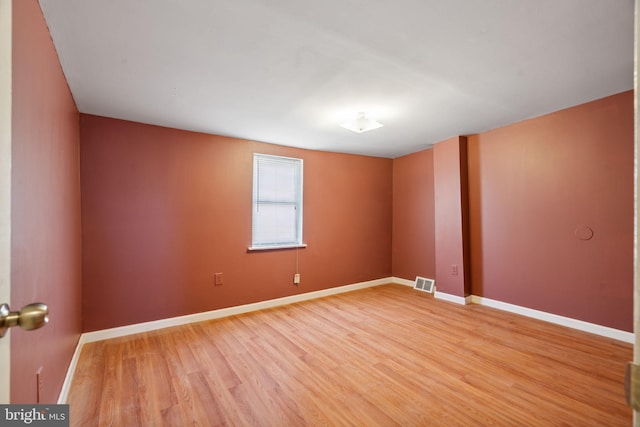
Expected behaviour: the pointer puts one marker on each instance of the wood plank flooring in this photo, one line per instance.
(382, 356)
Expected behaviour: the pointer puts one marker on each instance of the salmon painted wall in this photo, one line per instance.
(46, 235)
(163, 210)
(451, 216)
(413, 247)
(538, 190)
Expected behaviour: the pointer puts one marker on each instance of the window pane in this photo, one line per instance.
(277, 181)
(274, 224)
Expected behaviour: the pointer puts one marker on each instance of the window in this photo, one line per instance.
(277, 202)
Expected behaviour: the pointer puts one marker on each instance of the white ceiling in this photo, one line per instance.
(289, 71)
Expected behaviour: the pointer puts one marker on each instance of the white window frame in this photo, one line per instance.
(258, 243)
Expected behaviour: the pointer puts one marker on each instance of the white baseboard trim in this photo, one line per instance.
(224, 312)
(580, 325)
(230, 311)
(604, 331)
(71, 370)
(199, 317)
(405, 282)
(453, 298)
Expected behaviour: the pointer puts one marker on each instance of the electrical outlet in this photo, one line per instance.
(217, 279)
(454, 270)
(296, 279)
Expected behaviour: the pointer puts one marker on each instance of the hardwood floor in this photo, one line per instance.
(378, 357)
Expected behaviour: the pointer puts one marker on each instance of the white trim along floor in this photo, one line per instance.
(88, 337)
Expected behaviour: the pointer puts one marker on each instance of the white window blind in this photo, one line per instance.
(277, 202)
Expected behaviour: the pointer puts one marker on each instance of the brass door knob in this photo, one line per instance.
(32, 316)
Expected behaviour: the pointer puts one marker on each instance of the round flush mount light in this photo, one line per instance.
(362, 123)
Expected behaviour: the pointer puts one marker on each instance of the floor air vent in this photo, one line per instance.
(424, 284)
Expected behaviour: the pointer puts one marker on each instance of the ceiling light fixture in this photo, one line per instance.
(362, 123)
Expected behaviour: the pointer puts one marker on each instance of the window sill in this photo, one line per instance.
(275, 247)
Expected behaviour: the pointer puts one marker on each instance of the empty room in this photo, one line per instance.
(284, 213)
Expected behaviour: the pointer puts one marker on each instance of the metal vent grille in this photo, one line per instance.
(424, 284)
